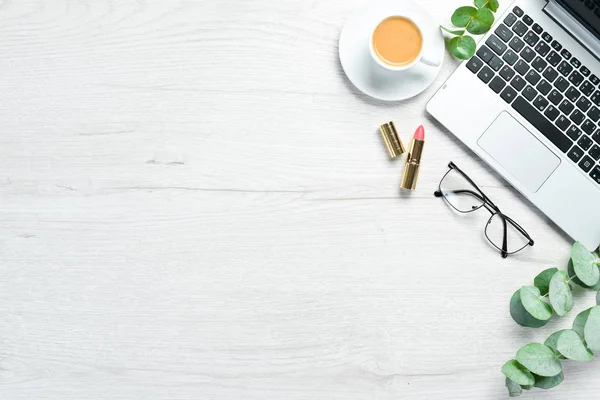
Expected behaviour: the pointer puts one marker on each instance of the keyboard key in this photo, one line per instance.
(556, 46)
(586, 88)
(550, 74)
(542, 49)
(577, 117)
(510, 57)
(537, 29)
(527, 19)
(561, 84)
(530, 93)
(584, 142)
(532, 77)
(595, 152)
(496, 44)
(551, 113)
(564, 68)
(566, 106)
(495, 63)
(504, 33)
(553, 58)
(596, 98)
(562, 123)
(474, 64)
(588, 127)
(572, 94)
(586, 164)
(584, 71)
(575, 62)
(544, 87)
(596, 136)
(516, 44)
(518, 83)
(485, 53)
(510, 19)
(497, 84)
(531, 38)
(575, 154)
(555, 97)
(540, 103)
(518, 12)
(584, 104)
(574, 132)
(576, 78)
(539, 64)
(565, 53)
(595, 80)
(521, 67)
(485, 74)
(519, 28)
(595, 174)
(594, 114)
(547, 37)
(542, 124)
(508, 94)
(528, 54)
(507, 73)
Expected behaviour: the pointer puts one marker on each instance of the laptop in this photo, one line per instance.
(534, 89)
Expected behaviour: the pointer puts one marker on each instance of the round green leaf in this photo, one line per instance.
(481, 23)
(514, 389)
(584, 264)
(542, 281)
(491, 4)
(463, 15)
(576, 280)
(457, 32)
(571, 345)
(561, 297)
(533, 303)
(520, 315)
(462, 47)
(517, 373)
(580, 321)
(539, 359)
(552, 342)
(548, 382)
(591, 332)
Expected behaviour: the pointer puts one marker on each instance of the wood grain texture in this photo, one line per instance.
(196, 204)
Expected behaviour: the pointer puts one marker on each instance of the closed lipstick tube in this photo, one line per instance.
(413, 161)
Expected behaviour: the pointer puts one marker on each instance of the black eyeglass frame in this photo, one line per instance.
(488, 205)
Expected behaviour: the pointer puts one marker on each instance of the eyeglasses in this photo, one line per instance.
(462, 194)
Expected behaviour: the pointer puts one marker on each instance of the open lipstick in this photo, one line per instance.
(413, 161)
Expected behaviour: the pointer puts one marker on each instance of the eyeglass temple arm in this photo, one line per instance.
(486, 202)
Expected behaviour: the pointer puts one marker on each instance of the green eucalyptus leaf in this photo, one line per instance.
(533, 303)
(514, 389)
(457, 32)
(561, 297)
(491, 4)
(591, 332)
(463, 15)
(548, 382)
(580, 321)
(571, 345)
(542, 281)
(481, 23)
(539, 359)
(584, 264)
(576, 280)
(516, 372)
(552, 342)
(520, 315)
(462, 47)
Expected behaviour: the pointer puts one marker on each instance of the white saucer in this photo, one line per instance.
(364, 72)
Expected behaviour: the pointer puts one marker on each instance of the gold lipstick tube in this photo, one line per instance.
(413, 162)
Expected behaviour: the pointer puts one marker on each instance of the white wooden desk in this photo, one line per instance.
(195, 204)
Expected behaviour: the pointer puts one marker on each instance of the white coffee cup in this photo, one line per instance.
(391, 67)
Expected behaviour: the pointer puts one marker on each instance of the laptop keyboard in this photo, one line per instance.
(546, 85)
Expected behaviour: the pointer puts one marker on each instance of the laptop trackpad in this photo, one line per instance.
(527, 159)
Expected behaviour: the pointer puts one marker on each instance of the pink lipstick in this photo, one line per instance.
(413, 161)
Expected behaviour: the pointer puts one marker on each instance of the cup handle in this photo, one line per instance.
(430, 63)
